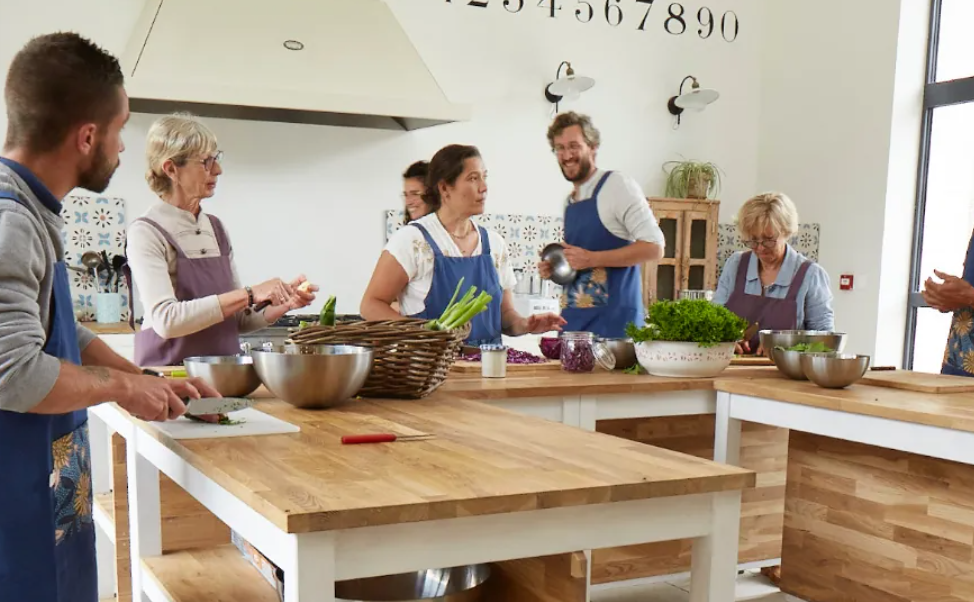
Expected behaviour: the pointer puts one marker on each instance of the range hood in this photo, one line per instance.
(323, 62)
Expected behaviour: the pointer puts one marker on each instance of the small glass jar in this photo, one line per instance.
(493, 361)
(577, 352)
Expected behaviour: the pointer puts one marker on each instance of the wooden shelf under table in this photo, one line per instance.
(219, 574)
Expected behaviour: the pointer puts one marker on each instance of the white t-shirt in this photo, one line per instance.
(623, 207)
(414, 254)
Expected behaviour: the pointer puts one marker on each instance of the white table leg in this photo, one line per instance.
(713, 565)
(101, 454)
(145, 516)
(587, 411)
(311, 574)
(727, 433)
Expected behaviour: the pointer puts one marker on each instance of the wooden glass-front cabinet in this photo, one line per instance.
(690, 256)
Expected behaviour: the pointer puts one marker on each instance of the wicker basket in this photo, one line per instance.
(409, 361)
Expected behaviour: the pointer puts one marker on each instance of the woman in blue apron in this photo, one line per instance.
(601, 300)
(956, 295)
(424, 261)
(46, 467)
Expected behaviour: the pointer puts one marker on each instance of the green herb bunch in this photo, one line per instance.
(689, 321)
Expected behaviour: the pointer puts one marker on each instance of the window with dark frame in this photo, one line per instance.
(945, 176)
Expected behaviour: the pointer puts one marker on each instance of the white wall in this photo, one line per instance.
(308, 198)
(839, 133)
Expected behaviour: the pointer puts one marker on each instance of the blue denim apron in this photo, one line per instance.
(47, 537)
(601, 300)
(476, 271)
(959, 354)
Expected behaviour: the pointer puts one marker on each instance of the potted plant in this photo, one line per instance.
(691, 179)
(687, 338)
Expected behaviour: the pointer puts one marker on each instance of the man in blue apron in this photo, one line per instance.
(66, 107)
(610, 231)
(956, 295)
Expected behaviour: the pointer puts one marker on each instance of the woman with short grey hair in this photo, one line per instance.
(773, 285)
(181, 259)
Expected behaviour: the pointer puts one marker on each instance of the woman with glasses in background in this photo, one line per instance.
(413, 188)
(181, 259)
(773, 285)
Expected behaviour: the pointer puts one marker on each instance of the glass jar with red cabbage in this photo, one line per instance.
(577, 352)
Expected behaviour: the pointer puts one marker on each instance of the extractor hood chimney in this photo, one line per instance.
(322, 62)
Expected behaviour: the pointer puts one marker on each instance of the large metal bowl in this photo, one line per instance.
(789, 338)
(459, 584)
(834, 370)
(231, 376)
(788, 363)
(561, 271)
(624, 351)
(314, 376)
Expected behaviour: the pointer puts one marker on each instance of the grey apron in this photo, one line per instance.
(195, 279)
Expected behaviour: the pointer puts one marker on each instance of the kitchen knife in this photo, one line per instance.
(382, 438)
(216, 405)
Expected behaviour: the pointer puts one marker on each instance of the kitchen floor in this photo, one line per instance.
(751, 586)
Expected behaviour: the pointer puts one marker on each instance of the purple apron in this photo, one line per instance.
(195, 279)
(771, 314)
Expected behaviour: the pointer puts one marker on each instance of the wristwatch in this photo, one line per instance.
(250, 296)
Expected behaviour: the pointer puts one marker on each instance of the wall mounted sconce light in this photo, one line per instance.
(694, 100)
(569, 87)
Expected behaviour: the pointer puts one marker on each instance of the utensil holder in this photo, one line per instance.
(108, 308)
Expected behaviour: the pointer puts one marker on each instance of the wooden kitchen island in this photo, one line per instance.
(490, 487)
(880, 484)
(671, 413)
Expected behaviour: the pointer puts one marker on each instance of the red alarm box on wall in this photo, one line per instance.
(845, 282)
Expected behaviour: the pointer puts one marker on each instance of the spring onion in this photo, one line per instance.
(458, 313)
(327, 317)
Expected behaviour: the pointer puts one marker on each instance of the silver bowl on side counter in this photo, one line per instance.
(231, 376)
(770, 339)
(624, 351)
(834, 370)
(314, 376)
(458, 584)
(788, 363)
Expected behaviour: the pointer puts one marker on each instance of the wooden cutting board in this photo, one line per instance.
(920, 382)
(465, 367)
(751, 360)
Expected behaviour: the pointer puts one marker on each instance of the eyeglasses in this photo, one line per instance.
(573, 148)
(211, 160)
(766, 243)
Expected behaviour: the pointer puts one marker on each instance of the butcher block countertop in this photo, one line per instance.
(946, 410)
(483, 460)
(600, 382)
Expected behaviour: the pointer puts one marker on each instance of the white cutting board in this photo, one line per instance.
(254, 423)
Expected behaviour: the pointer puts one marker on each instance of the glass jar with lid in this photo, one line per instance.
(580, 351)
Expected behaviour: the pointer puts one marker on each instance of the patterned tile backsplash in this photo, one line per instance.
(93, 224)
(526, 235)
(729, 242)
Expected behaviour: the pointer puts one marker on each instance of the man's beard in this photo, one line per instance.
(98, 175)
(584, 171)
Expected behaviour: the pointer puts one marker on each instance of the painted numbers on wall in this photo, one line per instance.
(676, 21)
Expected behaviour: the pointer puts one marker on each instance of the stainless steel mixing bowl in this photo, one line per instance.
(770, 339)
(624, 351)
(314, 376)
(834, 370)
(561, 271)
(459, 584)
(789, 363)
(232, 376)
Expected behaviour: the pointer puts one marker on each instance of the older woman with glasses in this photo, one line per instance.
(181, 259)
(773, 285)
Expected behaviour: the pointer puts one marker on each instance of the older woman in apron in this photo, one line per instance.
(423, 262)
(773, 286)
(181, 259)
